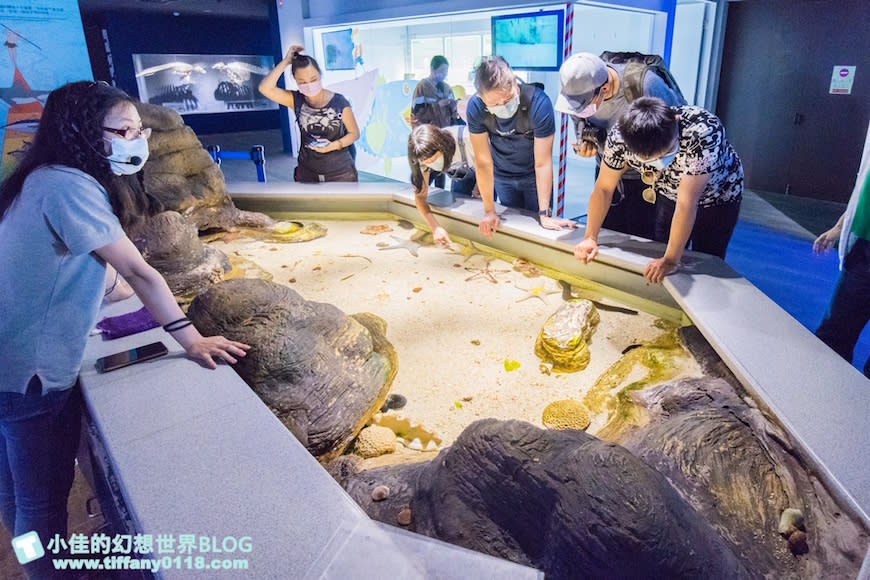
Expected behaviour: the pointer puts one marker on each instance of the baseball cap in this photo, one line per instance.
(581, 76)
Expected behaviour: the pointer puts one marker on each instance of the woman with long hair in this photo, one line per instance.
(327, 126)
(62, 217)
(431, 151)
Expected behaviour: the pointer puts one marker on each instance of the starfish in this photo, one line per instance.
(485, 272)
(465, 251)
(411, 245)
(538, 292)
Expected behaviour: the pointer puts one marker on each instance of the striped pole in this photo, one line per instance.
(563, 132)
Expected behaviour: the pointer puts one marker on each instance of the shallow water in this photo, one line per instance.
(460, 321)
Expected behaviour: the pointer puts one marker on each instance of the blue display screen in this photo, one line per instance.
(531, 41)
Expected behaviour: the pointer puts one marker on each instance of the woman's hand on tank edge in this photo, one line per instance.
(440, 237)
(208, 347)
(551, 223)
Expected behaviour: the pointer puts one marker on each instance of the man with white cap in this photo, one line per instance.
(595, 93)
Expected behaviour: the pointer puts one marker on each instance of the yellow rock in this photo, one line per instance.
(562, 340)
(566, 414)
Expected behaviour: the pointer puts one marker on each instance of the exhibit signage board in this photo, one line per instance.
(203, 83)
(44, 48)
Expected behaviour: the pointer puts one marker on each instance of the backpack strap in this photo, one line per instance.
(632, 80)
(462, 145)
(636, 66)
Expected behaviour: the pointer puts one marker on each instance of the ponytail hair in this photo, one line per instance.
(424, 142)
(299, 60)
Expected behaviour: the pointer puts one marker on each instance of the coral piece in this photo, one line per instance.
(408, 433)
(566, 414)
(374, 441)
(527, 269)
(376, 229)
(563, 338)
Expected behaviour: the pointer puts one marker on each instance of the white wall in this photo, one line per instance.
(692, 47)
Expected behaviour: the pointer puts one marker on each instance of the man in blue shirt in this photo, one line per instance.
(511, 127)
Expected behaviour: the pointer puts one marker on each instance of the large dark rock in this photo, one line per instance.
(170, 244)
(562, 501)
(740, 471)
(182, 175)
(323, 373)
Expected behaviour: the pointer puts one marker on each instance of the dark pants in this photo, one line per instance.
(629, 213)
(303, 175)
(436, 178)
(39, 436)
(849, 309)
(517, 192)
(713, 225)
(464, 185)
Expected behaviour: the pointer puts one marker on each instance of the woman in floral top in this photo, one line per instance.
(695, 179)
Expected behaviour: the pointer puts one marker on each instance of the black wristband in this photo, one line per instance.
(180, 326)
(112, 287)
(177, 324)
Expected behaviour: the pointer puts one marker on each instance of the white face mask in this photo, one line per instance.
(128, 156)
(663, 162)
(310, 89)
(507, 110)
(590, 110)
(436, 165)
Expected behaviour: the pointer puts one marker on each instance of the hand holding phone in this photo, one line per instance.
(319, 142)
(132, 356)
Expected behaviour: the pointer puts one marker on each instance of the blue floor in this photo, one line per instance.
(785, 268)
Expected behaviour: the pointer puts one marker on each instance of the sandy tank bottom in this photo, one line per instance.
(460, 321)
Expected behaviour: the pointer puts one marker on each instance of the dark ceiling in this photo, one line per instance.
(226, 8)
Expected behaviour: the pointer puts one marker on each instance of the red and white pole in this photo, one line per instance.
(563, 132)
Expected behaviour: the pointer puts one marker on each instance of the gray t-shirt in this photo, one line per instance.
(608, 113)
(51, 282)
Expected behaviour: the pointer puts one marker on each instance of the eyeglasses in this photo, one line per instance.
(649, 178)
(130, 133)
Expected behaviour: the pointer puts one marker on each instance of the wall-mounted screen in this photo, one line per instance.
(531, 41)
(338, 50)
(203, 83)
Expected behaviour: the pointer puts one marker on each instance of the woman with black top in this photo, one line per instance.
(326, 122)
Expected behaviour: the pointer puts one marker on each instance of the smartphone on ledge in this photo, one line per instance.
(132, 356)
